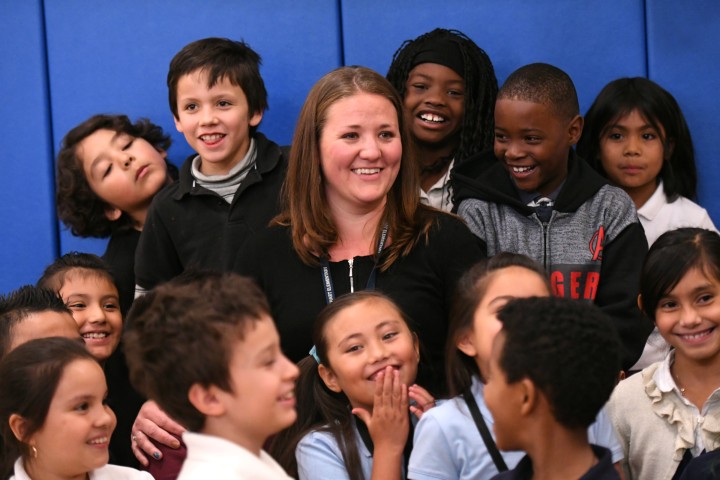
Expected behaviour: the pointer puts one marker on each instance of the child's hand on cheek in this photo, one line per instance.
(388, 423)
(423, 401)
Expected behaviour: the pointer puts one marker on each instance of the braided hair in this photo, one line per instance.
(481, 88)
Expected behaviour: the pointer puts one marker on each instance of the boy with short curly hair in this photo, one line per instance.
(108, 171)
(553, 367)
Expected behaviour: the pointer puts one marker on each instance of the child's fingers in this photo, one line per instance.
(363, 415)
(422, 397)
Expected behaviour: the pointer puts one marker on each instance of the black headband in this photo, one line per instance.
(443, 52)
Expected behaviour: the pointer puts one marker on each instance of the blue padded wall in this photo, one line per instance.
(63, 61)
(683, 57)
(594, 42)
(28, 239)
(113, 57)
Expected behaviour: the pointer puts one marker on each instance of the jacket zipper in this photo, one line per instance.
(545, 252)
(352, 286)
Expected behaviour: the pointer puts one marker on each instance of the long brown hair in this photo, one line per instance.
(305, 208)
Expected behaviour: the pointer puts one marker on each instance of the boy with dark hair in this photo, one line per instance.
(540, 199)
(33, 312)
(552, 368)
(108, 171)
(206, 350)
(228, 190)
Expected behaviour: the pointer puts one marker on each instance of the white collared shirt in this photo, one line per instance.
(440, 194)
(658, 216)
(211, 457)
(666, 384)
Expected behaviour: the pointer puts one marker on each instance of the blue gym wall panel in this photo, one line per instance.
(113, 57)
(683, 57)
(593, 41)
(28, 239)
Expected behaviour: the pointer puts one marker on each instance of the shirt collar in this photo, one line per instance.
(652, 207)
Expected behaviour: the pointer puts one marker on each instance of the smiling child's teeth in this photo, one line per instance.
(98, 441)
(429, 117)
(521, 169)
(95, 335)
(211, 138)
(366, 171)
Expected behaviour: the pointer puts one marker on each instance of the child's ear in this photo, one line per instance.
(529, 396)
(466, 345)
(255, 119)
(17, 425)
(178, 125)
(206, 400)
(416, 344)
(329, 378)
(575, 128)
(112, 213)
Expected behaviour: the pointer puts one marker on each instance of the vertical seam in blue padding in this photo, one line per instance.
(645, 37)
(341, 33)
(54, 223)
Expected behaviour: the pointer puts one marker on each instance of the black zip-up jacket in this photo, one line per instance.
(190, 226)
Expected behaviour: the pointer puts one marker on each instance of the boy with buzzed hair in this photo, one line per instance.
(33, 312)
(206, 350)
(552, 368)
(228, 190)
(540, 199)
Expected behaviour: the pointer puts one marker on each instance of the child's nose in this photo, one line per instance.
(97, 315)
(378, 352)
(632, 146)
(106, 417)
(513, 151)
(125, 159)
(689, 317)
(434, 96)
(207, 117)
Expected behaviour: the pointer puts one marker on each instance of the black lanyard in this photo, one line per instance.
(484, 431)
(328, 287)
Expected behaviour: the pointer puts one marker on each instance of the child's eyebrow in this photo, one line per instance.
(78, 294)
(386, 323)
(502, 298)
(79, 398)
(102, 157)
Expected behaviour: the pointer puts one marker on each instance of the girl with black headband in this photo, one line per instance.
(448, 87)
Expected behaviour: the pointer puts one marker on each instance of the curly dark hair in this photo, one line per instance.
(568, 348)
(481, 87)
(78, 207)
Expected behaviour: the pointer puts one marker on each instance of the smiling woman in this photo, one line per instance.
(352, 220)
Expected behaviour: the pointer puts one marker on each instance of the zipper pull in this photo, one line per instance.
(352, 286)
